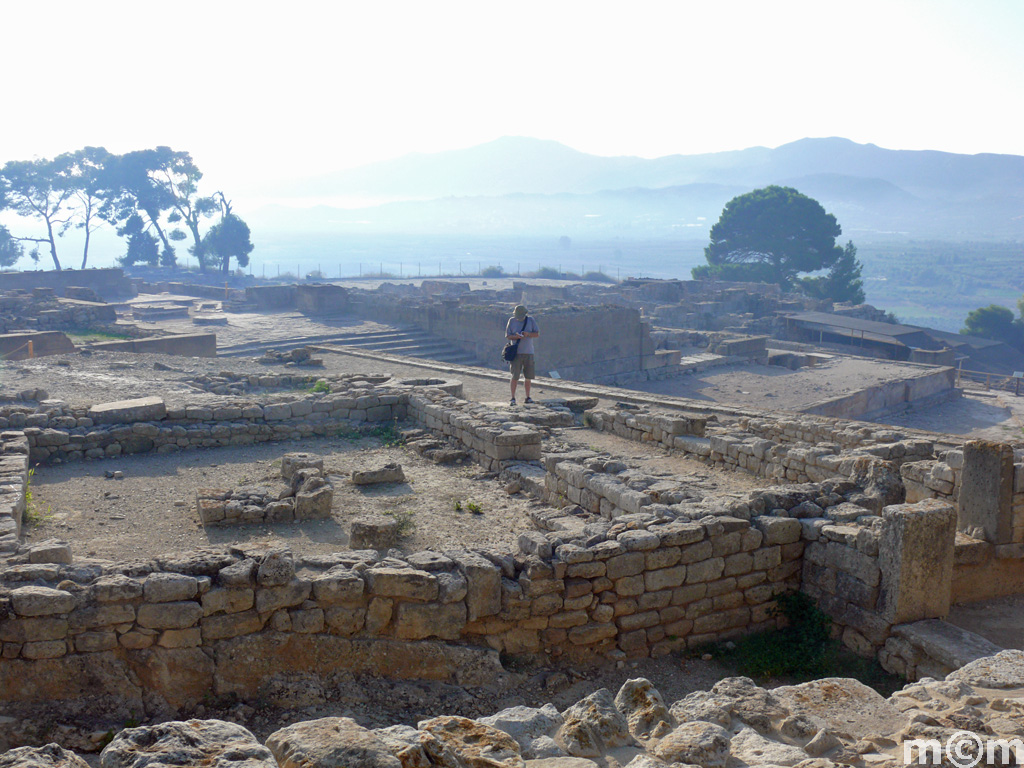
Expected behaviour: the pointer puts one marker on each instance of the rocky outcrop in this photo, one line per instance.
(820, 724)
(212, 743)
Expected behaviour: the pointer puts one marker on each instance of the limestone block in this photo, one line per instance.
(180, 615)
(128, 411)
(986, 491)
(379, 532)
(228, 600)
(389, 473)
(33, 629)
(592, 633)
(314, 505)
(102, 615)
(194, 742)
(277, 411)
(115, 588)
(276, 569)
(402, 582)
(291, 462)
(169, 587)
(643, 707)
(41, 601)
(416, 621)
(751, 748)
(484, 596)
(345, 620)
(339, 584)
(947, 644)
(845, 706)
(916, 555)
(274, 598)
(52, 551)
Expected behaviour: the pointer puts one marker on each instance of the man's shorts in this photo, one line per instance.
(523, 364)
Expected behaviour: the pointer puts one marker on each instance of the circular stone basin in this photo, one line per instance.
(451, 386)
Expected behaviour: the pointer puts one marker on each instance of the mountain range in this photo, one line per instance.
(524, 186)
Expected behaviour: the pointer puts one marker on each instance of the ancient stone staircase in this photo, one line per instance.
(410, 342)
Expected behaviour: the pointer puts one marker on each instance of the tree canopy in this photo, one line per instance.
(33, 188)
(842, 282)
(10, 249)
(228, 239)
(773, 235)
(997, 323)
(150, 196)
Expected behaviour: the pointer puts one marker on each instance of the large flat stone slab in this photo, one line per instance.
(127, 411)
(951, 645)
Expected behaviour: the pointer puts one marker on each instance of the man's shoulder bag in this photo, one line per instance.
(511, 348)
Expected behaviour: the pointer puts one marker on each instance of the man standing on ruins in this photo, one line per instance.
(523, 329)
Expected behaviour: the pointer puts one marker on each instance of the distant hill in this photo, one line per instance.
(520, 185)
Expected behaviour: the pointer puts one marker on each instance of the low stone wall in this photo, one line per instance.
(109, 283)
(17, 346)
(931, 385)
(783, 451)
(642, 425)
(985, 481)
(641, 590)
(19, 312)
(487, 435)
(645, 569)
(842, 573)
(188, 345)
(14, 478)
(76, 434)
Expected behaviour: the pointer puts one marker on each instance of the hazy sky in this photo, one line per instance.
(260, 91)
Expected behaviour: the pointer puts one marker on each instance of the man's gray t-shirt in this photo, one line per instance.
(529, 325)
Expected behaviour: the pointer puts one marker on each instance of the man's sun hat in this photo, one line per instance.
(519, 311)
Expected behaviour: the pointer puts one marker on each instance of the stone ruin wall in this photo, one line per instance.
(642, 578)
(32, 312)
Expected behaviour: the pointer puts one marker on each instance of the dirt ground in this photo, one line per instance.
(103, 517)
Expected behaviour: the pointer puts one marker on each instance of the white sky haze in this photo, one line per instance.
(259, 91)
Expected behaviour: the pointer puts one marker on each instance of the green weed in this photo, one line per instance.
(33, 515)
(475, 508)
(388, 434)
(458, 505)
(321, 387)
(405, 518)
(803, 650)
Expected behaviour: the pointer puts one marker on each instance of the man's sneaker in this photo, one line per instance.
(512, 403)
(528, 401)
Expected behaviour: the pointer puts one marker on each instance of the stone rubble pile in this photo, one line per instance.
(305, 493)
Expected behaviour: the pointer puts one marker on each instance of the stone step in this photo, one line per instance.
(947, 643)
